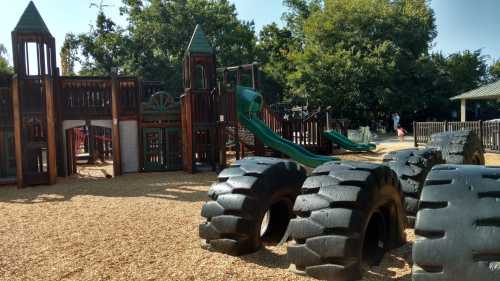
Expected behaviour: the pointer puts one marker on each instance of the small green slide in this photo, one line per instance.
(249, 103)
(346, 143)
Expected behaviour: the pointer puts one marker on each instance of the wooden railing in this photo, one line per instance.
(85, 98)
(90, 97)
(308, 133)
(488, 131)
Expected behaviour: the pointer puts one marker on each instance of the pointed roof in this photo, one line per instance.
(31, 21)
(199, 42)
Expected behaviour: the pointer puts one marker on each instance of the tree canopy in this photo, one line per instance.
(5, 68)
(153, 44)
(366, 58)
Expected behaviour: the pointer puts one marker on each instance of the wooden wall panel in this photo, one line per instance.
(17, 132)
(51, 129)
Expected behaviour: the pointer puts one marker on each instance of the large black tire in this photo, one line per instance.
(412, 167)
(247, 191)
(349, 213)
(458, 225)
(459, 147)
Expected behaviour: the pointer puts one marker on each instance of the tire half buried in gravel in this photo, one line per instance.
(349, 214)
(459, 147)
(412, 167)
(458, 225)
(253, 195)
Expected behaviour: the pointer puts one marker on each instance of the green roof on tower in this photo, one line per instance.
(31, 21)
(199, 42)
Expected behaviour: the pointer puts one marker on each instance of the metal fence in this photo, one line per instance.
(488, 131)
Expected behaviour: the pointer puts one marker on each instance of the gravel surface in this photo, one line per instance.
(137, 227)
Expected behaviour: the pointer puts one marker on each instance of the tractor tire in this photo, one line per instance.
(349, 214)
(251, 202)
(412, 167)
(459, 147)
(458, 225)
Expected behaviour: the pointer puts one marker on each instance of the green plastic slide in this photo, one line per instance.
(346, 143)
(249, 103)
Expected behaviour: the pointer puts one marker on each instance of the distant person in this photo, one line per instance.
(401, 133)
(395, 121)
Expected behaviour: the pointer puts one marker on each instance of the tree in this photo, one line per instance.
(442, 77)
(494, 70)
(273, 49)
(297, 14)
(153, 43)
(358, 55)
(166, 27)
(69, 54)
(103, 48)
(5, 68)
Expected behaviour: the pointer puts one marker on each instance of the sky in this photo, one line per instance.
(461, 24)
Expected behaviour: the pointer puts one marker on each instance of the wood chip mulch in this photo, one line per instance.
(135, 227)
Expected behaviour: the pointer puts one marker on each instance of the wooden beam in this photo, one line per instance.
(463, 110)
(115, 103)
(3, 161)
(187, 133)
(16, 107)
(51, 129)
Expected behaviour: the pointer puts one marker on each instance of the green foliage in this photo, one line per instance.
(357, 53)
(153, 44)
(494, 70)
(69, 54)
(273, 49)
(166, 27)
(104, 47)
(5, 68)
(366, 58)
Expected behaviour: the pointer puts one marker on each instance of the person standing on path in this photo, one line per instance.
(395, 120)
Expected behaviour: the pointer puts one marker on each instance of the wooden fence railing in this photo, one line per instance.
(488, 131)
(90, 97)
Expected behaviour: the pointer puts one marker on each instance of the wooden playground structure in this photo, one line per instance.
(46, 120)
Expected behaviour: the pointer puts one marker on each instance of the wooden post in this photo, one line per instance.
(140, 91)
(239, 152)
(51, 129)
(115, 103)
(187, 133)
(16, 107)
(61, 168)
(415, 134)
(463, 110)
(481, 134)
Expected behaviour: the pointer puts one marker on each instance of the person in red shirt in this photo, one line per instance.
(401, 133)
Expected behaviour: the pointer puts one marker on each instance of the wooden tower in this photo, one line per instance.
(34, 56)
(198, 104)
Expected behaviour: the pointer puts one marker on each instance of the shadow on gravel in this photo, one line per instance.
(169, 186)
(267, 258)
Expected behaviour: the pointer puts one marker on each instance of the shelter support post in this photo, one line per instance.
(463, 110)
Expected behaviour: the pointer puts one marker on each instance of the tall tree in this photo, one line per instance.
(494, 70)
(165, 27)
(157, 34)
(274, 46)
(103, 48)
(357, 55)
(69, 54)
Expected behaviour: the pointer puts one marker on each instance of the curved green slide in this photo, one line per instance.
(249, 103)
(346, 143)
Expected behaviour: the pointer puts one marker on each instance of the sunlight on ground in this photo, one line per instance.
(139, 227)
